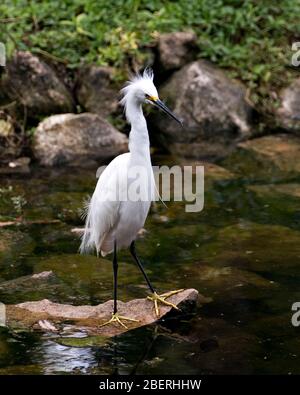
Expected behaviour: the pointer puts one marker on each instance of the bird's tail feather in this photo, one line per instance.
(91, 238)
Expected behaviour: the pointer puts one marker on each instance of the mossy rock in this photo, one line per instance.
(262, 248)
(269, 158)
(227, 283)
(35, 287)
(91, 278)
(12, 244)
(269, 191)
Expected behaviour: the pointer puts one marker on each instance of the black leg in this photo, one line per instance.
(115, 268)
(135, 257)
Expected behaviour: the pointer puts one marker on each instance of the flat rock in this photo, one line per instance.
(89, 318)
(69, 138)
(216, 116)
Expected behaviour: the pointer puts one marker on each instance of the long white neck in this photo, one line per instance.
(139, 143)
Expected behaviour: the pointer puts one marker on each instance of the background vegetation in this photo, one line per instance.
(250, 38)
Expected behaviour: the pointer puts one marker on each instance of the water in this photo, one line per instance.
(242, 251)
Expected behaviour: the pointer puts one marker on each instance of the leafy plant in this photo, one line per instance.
(251, 38)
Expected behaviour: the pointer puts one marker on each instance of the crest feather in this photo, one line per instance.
(147, 75)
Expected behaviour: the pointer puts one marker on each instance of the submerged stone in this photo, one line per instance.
(261, 248)
(269, 191)
(226, 283)
(67, 206)
(12, 244)
(268, 158)
(35, 287)
(91, 278)
(205, 345)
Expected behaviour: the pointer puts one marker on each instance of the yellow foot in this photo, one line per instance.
(118, 319)
(155, 298)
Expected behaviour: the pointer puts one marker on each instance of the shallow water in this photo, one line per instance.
(242, 251)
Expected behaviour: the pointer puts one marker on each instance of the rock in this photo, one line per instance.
(36, 86)
(208, 345)
(35, 287)
(269, 191)
(68, 207)
(254, 247)
(276, 202)
(270, 158)
(12, 244)
(219, 347)
(67, 138)
(90, 277)
(212, 171)
(6, 128)
(78, 231)
(156, 246)
(176, 49)
(29, 314)
(17, 166)
(11, 138)
(3, 96)
(228, 283)
(20, 162)
(95, 92)
(288, 114)
(213, 108)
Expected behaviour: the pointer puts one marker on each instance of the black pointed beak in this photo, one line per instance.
(158, 103)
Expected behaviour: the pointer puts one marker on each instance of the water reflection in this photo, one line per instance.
(243, 251)
(56, 358)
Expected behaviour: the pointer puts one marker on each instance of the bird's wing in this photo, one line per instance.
(103, 208)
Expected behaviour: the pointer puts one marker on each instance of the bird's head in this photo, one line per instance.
(141, 89)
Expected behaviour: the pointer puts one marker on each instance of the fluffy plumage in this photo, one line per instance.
(108, 217)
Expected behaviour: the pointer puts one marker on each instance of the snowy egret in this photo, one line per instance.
(112, 223)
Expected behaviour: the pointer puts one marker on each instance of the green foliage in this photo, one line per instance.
(251, 38)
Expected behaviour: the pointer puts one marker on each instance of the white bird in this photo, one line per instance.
(113, 217)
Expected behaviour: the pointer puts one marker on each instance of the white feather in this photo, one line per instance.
(110, 219)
